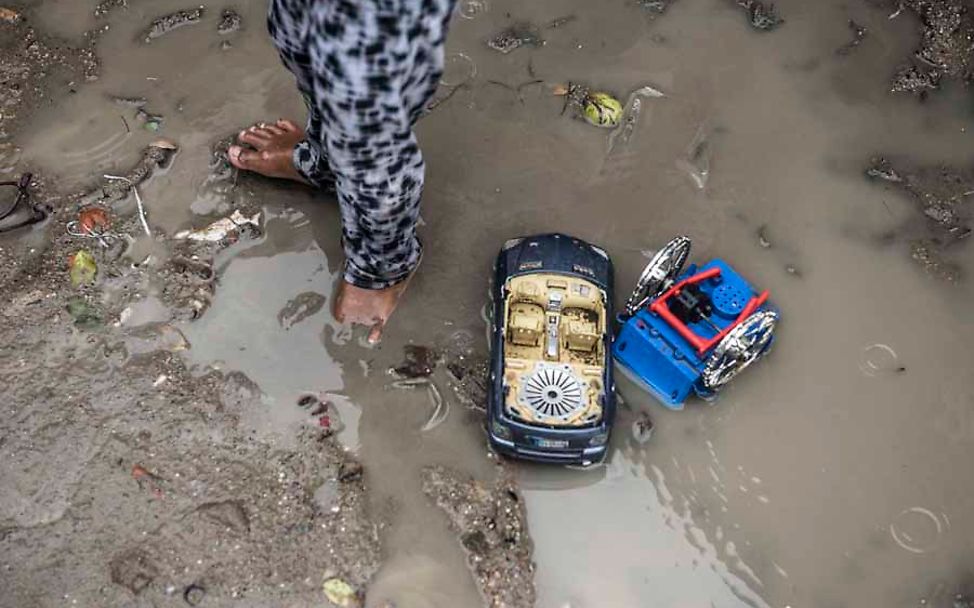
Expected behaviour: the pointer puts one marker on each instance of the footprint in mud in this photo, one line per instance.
(299, 308)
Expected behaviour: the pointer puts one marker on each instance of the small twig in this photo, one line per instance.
(138, 201)
(502, 84)
(887, 208)
(438, 102)
(126, 123)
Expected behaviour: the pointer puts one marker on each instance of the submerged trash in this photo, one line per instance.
(82, 268)
(596, 107)
(858, 35)
(761, 16)
(516, 36)
(230, 22)
(150, 122)
(138, 200)
(85, 315)
(9, 15)
(642, 428)
(167, 23)
(419, 362)
(763, 240)
(340, 593)
(15, 209)
(441, 409)
(221, 229)
(147, 481)
(625, 132)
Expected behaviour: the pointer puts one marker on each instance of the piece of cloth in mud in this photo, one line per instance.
(366, 70)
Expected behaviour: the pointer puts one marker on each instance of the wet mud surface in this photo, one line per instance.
(187, 425)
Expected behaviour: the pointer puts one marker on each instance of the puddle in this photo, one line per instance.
(722, 505)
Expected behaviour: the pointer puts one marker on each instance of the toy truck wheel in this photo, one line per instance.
(662, 270)
(742, 346)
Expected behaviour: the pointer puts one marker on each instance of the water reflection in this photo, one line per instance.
(616, 536)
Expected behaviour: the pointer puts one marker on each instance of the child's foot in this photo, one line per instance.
(273, 150)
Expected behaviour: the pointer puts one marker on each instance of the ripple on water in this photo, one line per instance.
(878, 360)
(457, 69)
(470, 9)
(918, 530)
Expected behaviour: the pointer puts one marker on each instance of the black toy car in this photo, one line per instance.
(551, 395)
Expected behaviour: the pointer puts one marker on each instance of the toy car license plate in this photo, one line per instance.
(541, 442)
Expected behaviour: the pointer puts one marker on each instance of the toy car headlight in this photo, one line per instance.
(499, 430)
(599, 439)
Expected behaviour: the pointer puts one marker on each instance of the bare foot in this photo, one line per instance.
(369, 307)
(273, 150)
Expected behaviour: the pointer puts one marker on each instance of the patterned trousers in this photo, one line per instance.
(366, 69)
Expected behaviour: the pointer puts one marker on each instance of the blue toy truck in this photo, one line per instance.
(691, 331)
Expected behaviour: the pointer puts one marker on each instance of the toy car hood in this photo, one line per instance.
(558, 253)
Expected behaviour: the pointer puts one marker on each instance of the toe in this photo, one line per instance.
(288, 126)
(274, 130)
(255, 137)
(241, 158)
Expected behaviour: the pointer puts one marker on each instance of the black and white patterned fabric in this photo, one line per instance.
(366, 69)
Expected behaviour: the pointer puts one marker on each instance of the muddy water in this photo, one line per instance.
(822, 477)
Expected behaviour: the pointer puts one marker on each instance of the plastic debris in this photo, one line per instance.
(340, 593)
(82, 268)
(625, 132)
(164, 144)
(138, 201)
(94, 220)
(221, 229)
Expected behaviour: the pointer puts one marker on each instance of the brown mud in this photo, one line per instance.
(195, 429)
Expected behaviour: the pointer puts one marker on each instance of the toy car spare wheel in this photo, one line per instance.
(665, 266)
(742, 346)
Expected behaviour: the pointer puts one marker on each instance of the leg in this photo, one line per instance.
(283, 149)
(372, 70)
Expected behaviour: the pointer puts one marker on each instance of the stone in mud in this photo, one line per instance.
(491, 524)
(230, 21)
(106, 6)
(516, 36)
(299, 308)
(761, 16)
(350, 470)
(132, 570)
(858, 35)
(228, 514)
(917, 80)
(167, 23)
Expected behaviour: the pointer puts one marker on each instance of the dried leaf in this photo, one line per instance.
(9, 15)
(560, 90)
(82, 268)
